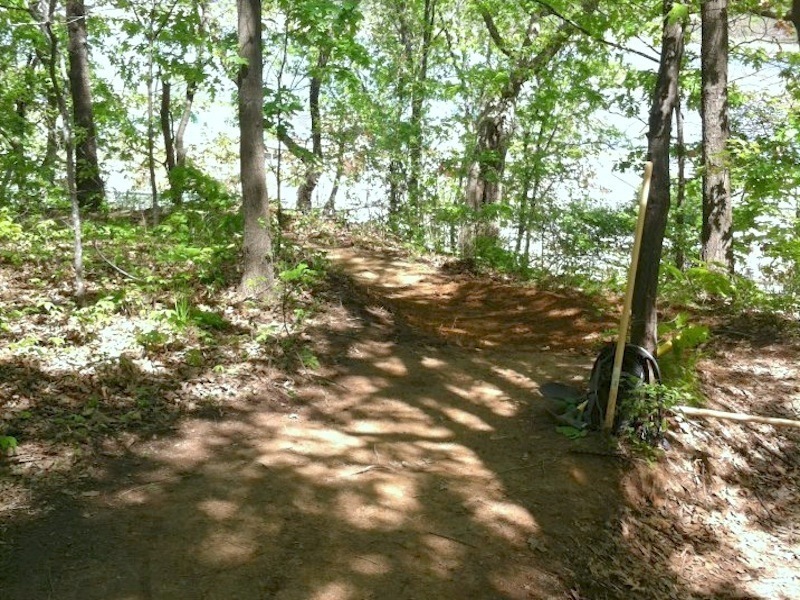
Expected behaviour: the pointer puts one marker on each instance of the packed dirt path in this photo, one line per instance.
(417, 462)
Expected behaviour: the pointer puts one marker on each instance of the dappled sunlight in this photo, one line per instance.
(421, 427)
(506, 520)
(443, 555)
(457, 415)
(371, 564)
(335, 590)
(387, 502)
(226, 548)
(393, 366)
(481, 394)
(220, 510)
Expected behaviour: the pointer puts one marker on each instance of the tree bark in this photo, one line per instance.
(258, 270)
(166, 124)
(69, 142)
(180, 132)
(487, 164)
(643, 313)
(717, 230)
(88, 181)
(313, 164)
(680, 193)
(418, 97)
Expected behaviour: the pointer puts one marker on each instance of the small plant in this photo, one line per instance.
(152, 340)
(294, 280)
(181, 313)
(7, 444)
(679, 353)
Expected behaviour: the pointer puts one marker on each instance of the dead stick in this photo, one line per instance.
(690, 411)
(452, 539)
(113, 266)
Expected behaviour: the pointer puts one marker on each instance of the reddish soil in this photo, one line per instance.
(417, 462)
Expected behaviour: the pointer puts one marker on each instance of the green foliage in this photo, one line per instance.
(701, 286)
(10, 230)
(645, 409)
(300, 274)
(7, 444)
(572, 433)
(678, 355)
(679, 12)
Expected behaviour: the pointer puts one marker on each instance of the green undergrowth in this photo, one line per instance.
(161, 329)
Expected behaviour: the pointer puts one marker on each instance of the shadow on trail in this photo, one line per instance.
(410, 470)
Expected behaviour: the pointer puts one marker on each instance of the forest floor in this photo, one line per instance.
(411, 458)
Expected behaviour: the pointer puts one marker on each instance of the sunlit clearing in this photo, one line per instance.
(219, 509)
(226, 548)
(335, 590)
(371, 564)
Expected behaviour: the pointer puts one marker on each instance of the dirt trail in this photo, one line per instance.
(417, 463)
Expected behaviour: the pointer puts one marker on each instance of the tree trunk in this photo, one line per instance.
(69, 142)
(151, 142)
(88, 182)
(680, 194)
(258, 271)
(485, 174)
(166, 125)
(330, 205)
(313, 164)
(717, 210)
(418, 97)
(180, 133)
(643, 314)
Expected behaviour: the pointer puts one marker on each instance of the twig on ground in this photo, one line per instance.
(452, 539)
(113, 266)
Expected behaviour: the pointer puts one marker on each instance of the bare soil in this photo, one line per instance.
(416, 462)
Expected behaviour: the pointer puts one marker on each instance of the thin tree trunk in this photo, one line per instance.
(313, 164)
(680, 194)
(180, 132)
(258, 271)
(166, 124)
(330, 205)
(717, 234)
(69, 142)
(51, 147)
(525, 187)
(87, 177)
(643, 314)
(418, 97)
(151, 134)
(485, 173)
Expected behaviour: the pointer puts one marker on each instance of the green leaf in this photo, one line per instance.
(572, 433)
(679, 12)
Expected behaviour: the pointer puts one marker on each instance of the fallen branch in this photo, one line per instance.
(690, 411)
(113, 266)
(452, 539)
